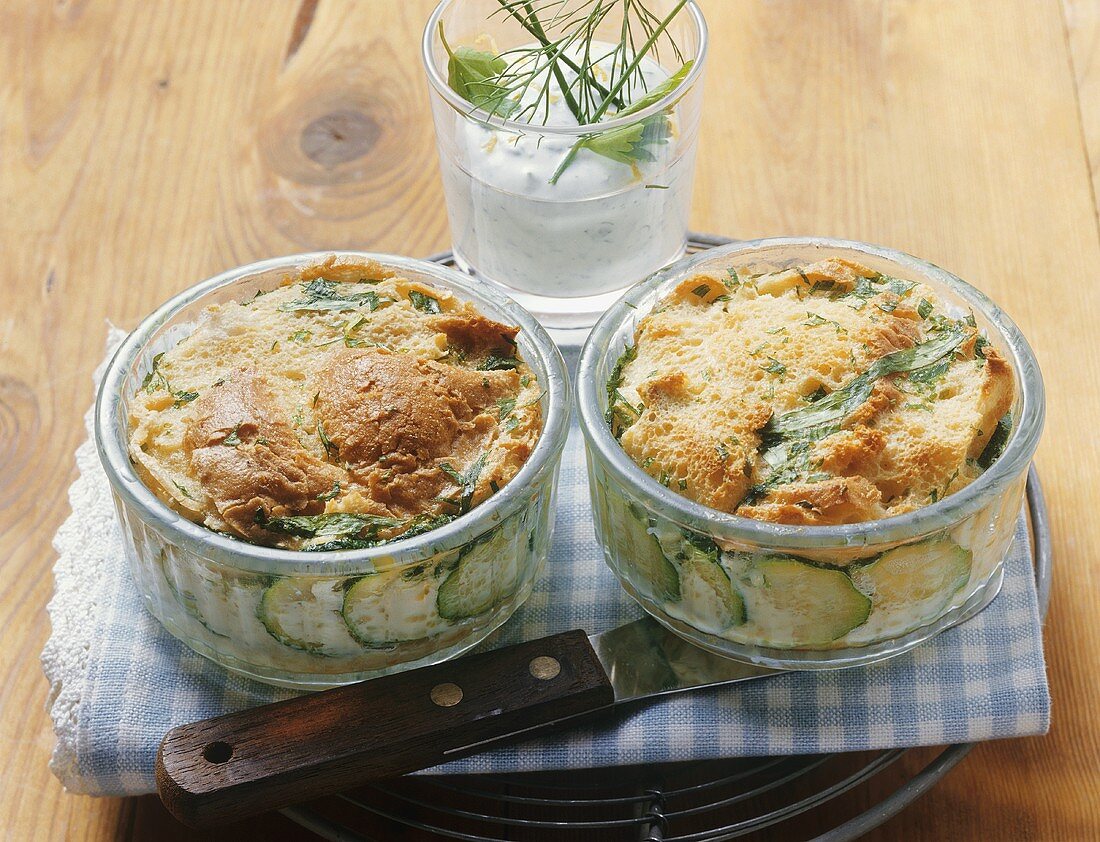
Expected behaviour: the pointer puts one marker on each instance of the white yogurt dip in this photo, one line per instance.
(602, 225)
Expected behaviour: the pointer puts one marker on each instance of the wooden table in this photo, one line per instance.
(147, 144)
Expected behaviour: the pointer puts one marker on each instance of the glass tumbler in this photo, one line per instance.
(565, 248)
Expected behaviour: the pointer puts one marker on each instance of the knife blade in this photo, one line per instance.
(264, 758)
(644, 659)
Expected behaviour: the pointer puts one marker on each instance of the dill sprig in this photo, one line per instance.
(501, 84)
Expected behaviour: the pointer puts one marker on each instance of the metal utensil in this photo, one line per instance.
(243, 763)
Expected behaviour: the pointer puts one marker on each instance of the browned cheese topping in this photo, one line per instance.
(347, 407)
(821, 394)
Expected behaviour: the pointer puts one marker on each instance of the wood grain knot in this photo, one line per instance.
(19, 437)
(339, 136)
(342, 141)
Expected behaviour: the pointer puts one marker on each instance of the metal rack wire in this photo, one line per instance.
(769, 797)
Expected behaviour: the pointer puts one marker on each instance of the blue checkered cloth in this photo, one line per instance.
(119, 681)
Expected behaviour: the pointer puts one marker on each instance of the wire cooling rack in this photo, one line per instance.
(763, 797)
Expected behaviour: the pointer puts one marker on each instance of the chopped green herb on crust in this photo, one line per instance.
(816, 394)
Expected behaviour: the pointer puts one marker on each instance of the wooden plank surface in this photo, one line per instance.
(146, 144)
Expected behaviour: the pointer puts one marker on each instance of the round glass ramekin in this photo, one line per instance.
(207, 589)
(632, 509)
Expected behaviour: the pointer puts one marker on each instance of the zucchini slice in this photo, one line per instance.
(708, 597)
(485, 574)
(911, 585)
(468, 591)
(792, 604)
(223, 602)
(303, 614)
(390, 607)
(708, 600)
(639, 552)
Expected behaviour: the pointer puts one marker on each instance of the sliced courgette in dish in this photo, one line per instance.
(912, 584)
(483, 576)
(386, 608)
(215, 599)
(303, 614)
(793, 604)
(639, 549)
(679, 544)
(183, 595)
(468, 590)
(708, 595)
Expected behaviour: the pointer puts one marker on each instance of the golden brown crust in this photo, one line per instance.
(393, 420)
(840, 274)
(850, 452)
(248, 459)
(995, 399)
(833, 501)
(475, 336)
(333, 268)
(720, 356)
(375, 403)
(348, 389)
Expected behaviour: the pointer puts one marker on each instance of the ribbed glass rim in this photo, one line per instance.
(953, 508)
(468, 109)
(111, 433)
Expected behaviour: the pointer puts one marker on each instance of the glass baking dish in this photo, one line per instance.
(951, 562)
(210, 590)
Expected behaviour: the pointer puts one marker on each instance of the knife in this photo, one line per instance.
(267, 757)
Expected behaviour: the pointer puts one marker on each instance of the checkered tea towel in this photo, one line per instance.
(118, 681)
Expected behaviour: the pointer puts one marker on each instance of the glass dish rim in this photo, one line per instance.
(174, 528)
(468, 109)
(942, 514)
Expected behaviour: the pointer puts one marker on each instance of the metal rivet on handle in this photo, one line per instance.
(544, 667)
(446, 695)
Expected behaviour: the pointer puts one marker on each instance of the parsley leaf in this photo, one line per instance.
(997, 442)
(322, 294)
(330, 449)
(424, 303)
(234, 438)
(616, 403)
(155, 379)
(474, 75)
(336, 524)
(930, 372)
(634, 141)
(897, 286)
(493, 362)
(183, 490)
(775, 367)
(467, 481)
(839, 404)
(631, 143)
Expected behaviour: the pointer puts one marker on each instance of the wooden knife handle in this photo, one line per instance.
(243, 763)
